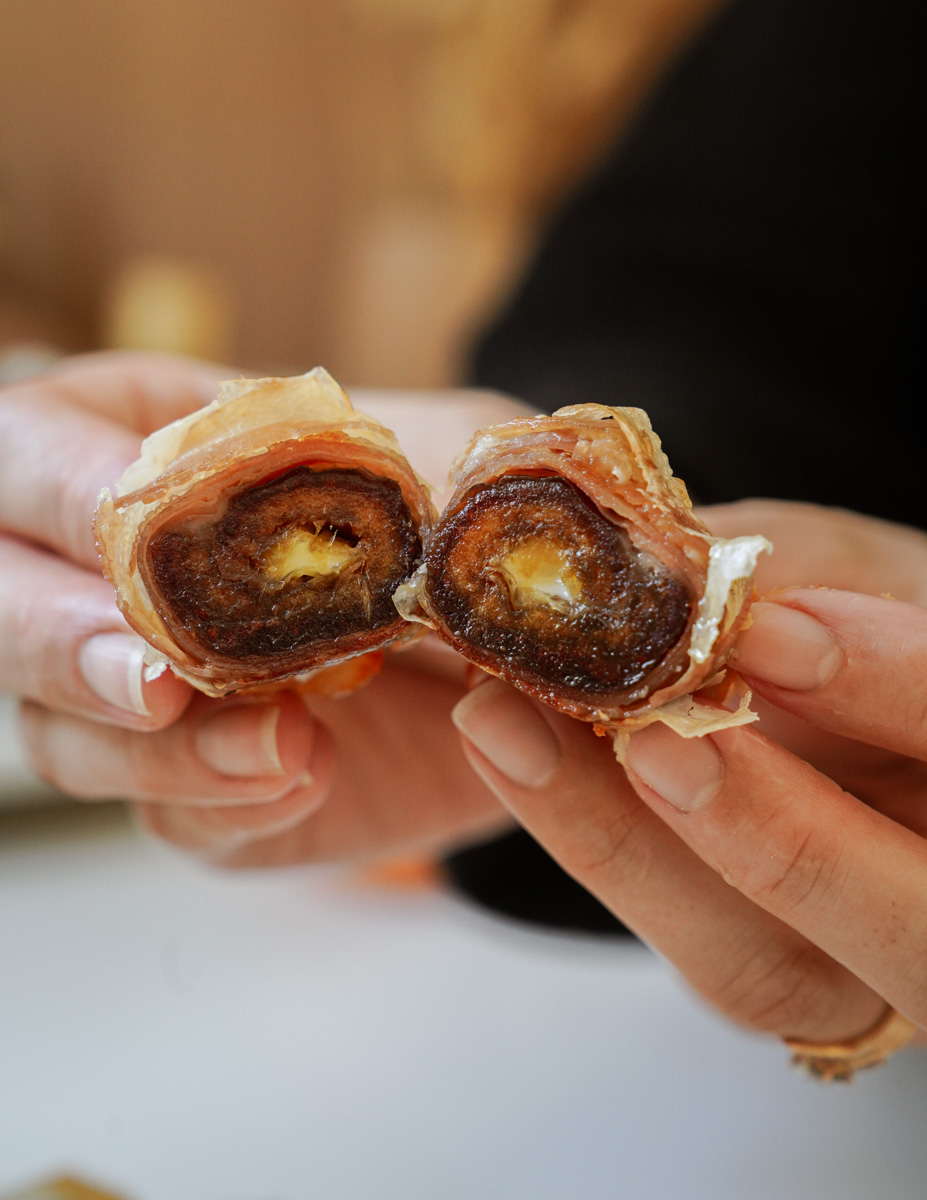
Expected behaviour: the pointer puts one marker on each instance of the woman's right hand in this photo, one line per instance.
(784, 875)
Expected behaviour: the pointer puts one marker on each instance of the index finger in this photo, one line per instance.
(67, 434)
(140, 391)
(852, 664)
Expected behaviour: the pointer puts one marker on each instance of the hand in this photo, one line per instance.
(830, 547)
(238, 780)
(795, 907)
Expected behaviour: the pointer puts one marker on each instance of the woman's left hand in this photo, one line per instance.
(246, 781)
(795, 907)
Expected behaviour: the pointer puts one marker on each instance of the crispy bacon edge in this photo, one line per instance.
(255, 427)
(615, 458)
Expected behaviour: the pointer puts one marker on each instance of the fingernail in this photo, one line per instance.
(686, 772)
(111, 665)
(787, 647)
(241, 741)
(509, 731)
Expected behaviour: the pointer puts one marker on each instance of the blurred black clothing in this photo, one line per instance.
(748, 266)
(515, 876)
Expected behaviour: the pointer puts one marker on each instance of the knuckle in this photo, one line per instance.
(601, 852)
(31, 640)
(42, 634)
(799, 870)
(42, 752)
(780, 989)
(71, 511)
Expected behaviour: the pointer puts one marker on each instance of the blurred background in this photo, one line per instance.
(357, 184)
(280, 184)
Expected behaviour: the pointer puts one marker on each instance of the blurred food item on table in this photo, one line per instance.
(155, 302)
(63, 1187)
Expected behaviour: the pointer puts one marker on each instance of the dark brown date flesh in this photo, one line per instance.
(215, 594)
(628, 617)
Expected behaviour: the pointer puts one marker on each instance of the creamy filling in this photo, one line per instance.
(527, 574)
(538, 573)
(306, 554)
(295, 569)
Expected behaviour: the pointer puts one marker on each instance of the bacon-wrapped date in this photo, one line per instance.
(569, 563)
(263, 537)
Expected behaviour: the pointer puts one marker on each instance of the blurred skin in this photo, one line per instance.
(795, 906)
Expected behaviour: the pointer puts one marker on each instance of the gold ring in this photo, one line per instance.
(839, 1061)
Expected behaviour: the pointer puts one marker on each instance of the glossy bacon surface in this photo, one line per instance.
(569, 563)
(262, 537)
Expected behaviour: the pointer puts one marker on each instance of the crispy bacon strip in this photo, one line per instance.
(263, 537)
(569, 563)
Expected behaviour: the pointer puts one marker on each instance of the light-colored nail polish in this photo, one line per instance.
(111, 666)
(787, 647)
(508, 730)
(241, 741)
(687, 772)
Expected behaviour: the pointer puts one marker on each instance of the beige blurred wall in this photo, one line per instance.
(347, 182)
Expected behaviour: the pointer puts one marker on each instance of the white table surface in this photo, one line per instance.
(183, 1034)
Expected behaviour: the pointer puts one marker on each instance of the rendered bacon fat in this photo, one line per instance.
(263, 537)
(569, 563)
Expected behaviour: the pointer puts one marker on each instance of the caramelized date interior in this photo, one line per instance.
(527, 569)
(290, 566)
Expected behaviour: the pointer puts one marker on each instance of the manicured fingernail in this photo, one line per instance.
(787, 647)
(111, 664)
(686, 772)
(509, 731)
(241, 741)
